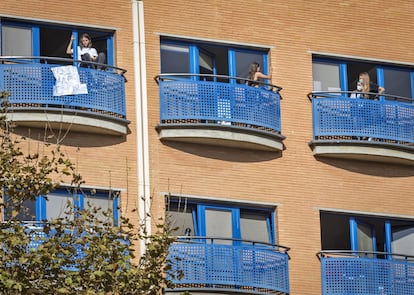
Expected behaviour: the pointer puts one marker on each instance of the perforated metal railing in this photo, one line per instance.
(337, 116)
(218, 100)
(366, 273)
(30, 81)
(234, 265)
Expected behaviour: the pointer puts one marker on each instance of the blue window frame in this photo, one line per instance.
(23, 38)
(226, 221)
(179, 56)
(342, 75)
(56, 205)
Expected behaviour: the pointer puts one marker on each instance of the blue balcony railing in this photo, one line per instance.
(190, 99)
(30, 82)
(339, 118)
(234, 265)
(366, 273)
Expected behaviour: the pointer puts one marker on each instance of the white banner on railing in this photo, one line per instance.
(67, 81)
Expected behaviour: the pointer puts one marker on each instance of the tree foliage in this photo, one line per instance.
(78, 253)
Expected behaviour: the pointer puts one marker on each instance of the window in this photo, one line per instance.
(16, 40)
(20, 38)
(209, 59)
(224, 221)
(61, 202)
(342, 75)
(366, 233)
(325, 76)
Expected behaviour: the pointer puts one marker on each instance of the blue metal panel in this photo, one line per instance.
(352, 119)
(40, 208)
(380, 78)
(33, 83)
(388, 238)
(343, 76)
(75, 47)
(363, 276)
(271, 228)
(353, 231)
(412, 84)
(236, 223)
(232, 65)
(35, 41)
(110, 50)
(220, 102)
(115, 210)
(194, 63)
(232, 267)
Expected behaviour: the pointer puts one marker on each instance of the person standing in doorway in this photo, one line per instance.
(371, 90)
(255, 75)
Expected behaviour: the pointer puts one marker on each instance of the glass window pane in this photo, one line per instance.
(253, 227)
(243, 61)
(206, 63)
(57, 206)
(175, 58)
(325, 77)
(397, 82)
(27, 211)
(103, 203)
(219, 224)
(181, 223)
(365, 235)
(16, 41)
(403, 241)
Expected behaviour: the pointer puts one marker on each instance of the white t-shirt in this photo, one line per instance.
(92, 52)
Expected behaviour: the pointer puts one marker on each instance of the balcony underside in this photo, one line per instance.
(222, 135)
(365, 151)
(75, 120)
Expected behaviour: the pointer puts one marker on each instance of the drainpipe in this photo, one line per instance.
(144, 201)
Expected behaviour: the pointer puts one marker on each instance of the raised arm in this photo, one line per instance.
(260, 75)
(69, 48)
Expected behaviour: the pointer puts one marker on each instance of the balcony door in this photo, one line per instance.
(219, 223)
(402, 239)
(207, 65)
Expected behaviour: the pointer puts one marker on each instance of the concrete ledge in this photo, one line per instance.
(78, 121)
(377, 152)
(228, 136)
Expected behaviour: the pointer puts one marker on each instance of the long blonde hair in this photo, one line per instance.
(366, 82)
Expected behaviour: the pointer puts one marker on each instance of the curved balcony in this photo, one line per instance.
(219, 110)
(228, 266)
(33, 102)
(363, 273)
(363, 129)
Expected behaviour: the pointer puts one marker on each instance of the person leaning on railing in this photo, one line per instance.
(255, 75)
(86, 52)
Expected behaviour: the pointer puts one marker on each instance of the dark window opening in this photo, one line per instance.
(209, 59)
(368, 233)
(354, 69)
(48, 40)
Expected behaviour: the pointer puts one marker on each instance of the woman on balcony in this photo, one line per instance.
(255, 75)
(371, 89)
(86, 52)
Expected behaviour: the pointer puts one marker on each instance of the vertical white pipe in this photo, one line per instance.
(144, 198)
